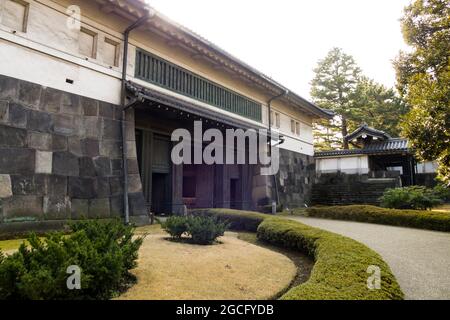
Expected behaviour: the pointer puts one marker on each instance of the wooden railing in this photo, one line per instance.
(170, 76)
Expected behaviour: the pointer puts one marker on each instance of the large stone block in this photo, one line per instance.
(82, 188)
(116, 166)
(133, 167)
(59, 143)
(5, 186)
(87, 168)
(40, 141)
(134, 183)
(116, 205)
(4, 111)
(130, 132)
(90, 106)
(118, 115)
(70, 104)
(30, 94)
(91, 127)
(116, 186)
(131, 149)
(110, 148)
(9, 88)
(30, 184)
(102, 166)
(79, 209)
(111, 130)
(56, 186)
(51, 100)
(44, 160)
(74, 145)
(39, 121)
(106, 110)
(12, 137)
(90, 147)
(57, 208)
(64, 124)
(137, 204)
(17, 160)
(103, 188)
(17, 115)
(22, 208)
(65, 164)
(99, 208)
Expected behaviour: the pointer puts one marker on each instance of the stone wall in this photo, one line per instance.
(61, 157)
(295, 178)
(345, 189)
(426, 179)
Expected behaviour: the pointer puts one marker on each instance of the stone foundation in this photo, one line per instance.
(346, 189)
(295, 179)
(61, 157)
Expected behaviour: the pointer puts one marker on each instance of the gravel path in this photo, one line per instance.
(420, 259)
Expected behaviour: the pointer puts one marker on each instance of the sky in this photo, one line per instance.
(284, 39)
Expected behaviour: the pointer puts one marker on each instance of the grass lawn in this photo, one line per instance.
(303, 263)
(233, 269)
(442, 208)
(10, 245)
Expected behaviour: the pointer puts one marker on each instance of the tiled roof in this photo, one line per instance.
(393, 145)
(365, 129)
(143, 5)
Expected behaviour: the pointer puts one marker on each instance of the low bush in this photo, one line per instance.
(442, 192)
(104, 251)
(268, 208)
(438, 221)
(238, 220)
(201, 229)
(176, 226)
(205, 230)
(413, 197)
(341, 264)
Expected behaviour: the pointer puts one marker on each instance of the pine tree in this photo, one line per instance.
(333, 87)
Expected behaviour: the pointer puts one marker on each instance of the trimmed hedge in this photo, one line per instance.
(340, 269)
(439, 221)
(238, 220)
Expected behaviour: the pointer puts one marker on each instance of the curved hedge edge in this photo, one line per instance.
(239, 220)
(340, 269)
(428, 220)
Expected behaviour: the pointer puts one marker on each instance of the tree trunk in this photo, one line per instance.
(344, 133)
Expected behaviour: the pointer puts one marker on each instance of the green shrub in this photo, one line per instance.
(176, 226)
(268, 208)
(201, 229)
(104, 251)
(205, 230)
(341, 264)
(414, 197)
(340, 269)
(430, 220)
(238, 220)
(442, 192)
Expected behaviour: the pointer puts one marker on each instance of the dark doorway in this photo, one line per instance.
(235, 194)
(161, 193)
(153, 151)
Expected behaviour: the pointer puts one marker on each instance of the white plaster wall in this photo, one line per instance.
(30, 65)
(48, 54)
(427, 167)
(350, 165)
